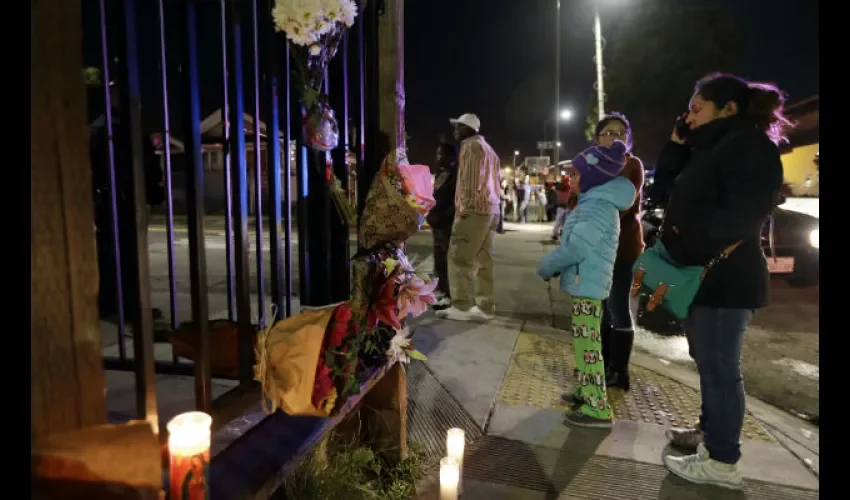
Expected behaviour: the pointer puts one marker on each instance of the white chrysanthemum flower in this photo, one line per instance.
(347, 13)
(306, 21)
(331, 9)
(315, 50)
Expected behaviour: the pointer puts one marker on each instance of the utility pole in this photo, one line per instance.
(557, 80)
(600, 89)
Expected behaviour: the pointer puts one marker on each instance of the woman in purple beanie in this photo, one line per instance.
(585, 262)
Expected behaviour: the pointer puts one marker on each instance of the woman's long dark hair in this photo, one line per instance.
(763, 103)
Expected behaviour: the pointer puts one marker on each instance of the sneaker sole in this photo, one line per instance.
(705, 482)
(595, 425)
(468, 319)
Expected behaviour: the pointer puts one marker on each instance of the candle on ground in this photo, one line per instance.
(455, 447)
(449, 478)
(189, 456)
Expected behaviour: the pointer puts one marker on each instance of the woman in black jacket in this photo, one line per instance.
(442, 216)
(721, 175)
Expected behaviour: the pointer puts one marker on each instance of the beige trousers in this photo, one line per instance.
(471, 252)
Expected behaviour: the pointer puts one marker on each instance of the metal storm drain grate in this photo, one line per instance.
(431, 411)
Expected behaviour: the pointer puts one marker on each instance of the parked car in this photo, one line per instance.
(790, 240)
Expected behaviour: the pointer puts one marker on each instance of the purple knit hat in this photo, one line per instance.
(597, 164)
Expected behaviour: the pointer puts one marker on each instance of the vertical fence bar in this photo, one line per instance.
(195, 207)
(258, 164)
(169, 204)
(372, 97)
(302, 179)
(240, 191)
(361, 70)
(287, 185)
(113, 196)
(143, 334)
(345, 114)
(228, 165)
(273, 162)
(338, 229)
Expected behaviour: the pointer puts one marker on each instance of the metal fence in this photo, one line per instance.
(253, 79)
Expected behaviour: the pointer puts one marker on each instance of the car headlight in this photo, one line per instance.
(814, 238)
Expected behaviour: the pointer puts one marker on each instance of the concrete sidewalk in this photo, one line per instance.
(508, 376)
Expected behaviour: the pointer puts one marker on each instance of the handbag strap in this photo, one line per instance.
(723, 255)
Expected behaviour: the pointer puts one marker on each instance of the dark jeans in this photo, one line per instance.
(615, 310)
(715, 337)
(442, 237)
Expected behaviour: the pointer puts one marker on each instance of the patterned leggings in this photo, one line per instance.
(587, 323)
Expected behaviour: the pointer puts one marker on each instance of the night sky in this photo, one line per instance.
(495, 58)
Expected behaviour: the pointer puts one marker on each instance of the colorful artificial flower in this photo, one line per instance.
(401, 347)
(339, 326)
(324, 391)
(415, 294)
(385, 307)
(389, 264)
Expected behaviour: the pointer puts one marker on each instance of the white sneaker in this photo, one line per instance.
(480, 314)
(455, 314)
(701, 469)
(443, 303)
(473, 314)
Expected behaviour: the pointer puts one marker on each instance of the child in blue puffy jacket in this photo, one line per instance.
(585, 262)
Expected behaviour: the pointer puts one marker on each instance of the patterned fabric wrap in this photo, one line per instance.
(388, 214)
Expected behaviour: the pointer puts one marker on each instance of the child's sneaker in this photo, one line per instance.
(701, 469)
(580, 419)
(570, 398)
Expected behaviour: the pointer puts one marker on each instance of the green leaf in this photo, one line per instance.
(413, 353)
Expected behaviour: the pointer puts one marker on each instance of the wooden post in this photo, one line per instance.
(389, 397)
(67, 388)
(391, 72)
(386, 406)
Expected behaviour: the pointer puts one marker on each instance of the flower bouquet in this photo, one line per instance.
(395, 292)
(307, 361)
(311, 363)
(395, 208)
(315, 29)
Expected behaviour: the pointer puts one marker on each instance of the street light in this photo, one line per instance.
(566, 114)
(516, 153)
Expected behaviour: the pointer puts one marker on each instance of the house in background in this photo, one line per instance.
(800, 157)
(213, 160)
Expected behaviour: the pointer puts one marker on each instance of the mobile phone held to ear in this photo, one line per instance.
(682, 128)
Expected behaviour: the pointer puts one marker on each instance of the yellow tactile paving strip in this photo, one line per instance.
(541, 370)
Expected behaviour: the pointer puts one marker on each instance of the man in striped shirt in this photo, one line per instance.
(473, 238)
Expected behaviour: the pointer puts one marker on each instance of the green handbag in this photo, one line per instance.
(672, 286)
